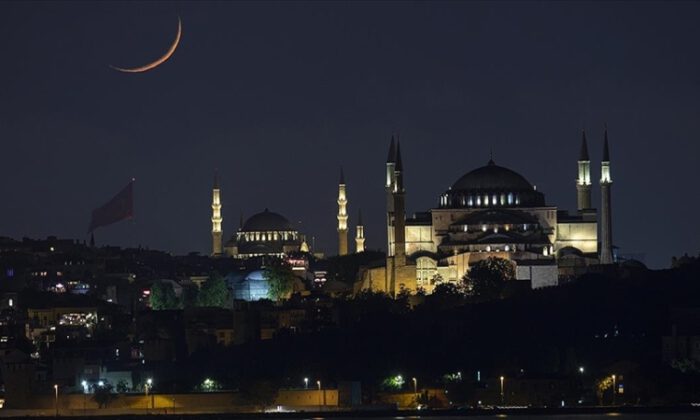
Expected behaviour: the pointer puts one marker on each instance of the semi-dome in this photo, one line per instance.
(266, 221)
(492, 177)
(491, 186)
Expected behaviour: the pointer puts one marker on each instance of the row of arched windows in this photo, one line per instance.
(480, 200)
(267, 236)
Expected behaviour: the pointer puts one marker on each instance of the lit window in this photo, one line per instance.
(507, 248)
(510, 198)
(483, 228)
(471, 201)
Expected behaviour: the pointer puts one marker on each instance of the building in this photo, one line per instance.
(491, 211)
(264, 234)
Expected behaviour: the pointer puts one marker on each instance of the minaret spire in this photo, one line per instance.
(216, 219)
(359, 234)
(606, 241)
(583, 182)
(399, 215)
(342, 216)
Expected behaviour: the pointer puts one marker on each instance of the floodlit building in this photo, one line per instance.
(491, 211)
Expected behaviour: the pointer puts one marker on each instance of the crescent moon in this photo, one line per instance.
(159, 61)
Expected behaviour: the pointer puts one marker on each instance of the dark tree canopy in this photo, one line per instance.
(163, 296)
(214, 292)
(486, 278)
(280, 278)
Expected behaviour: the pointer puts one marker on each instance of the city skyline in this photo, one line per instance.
(256, 93)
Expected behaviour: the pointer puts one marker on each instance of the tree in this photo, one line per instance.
(163, 296)
(450, 289)
(260, 393)
(486, 278)
(214, 292)
(103, 395)
(280, 279)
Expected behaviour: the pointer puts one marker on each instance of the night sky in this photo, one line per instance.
(278, 96)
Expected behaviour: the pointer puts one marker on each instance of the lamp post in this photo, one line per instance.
(614, 388)
(503, 397)
(55, 388)
(146, 389)
(319, 394)
(85, 391)
(415, 388)
(306, 383)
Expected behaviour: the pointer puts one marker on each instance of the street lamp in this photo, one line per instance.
(319, 394)
(502, 394)
(147, 388)
(85, 391)
(306, 383)
(55, 388)
(614, 388)
(580, 370)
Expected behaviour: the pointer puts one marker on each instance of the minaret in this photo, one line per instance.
(389, 187)
(216, 219)
(399, 212)
(606, 254)
(359, 234)
(583, 182)
(342, 217)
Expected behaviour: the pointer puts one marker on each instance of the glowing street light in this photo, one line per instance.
(319, 394)
(502, 394)
(147, 388)
(415, 385)
(55, 388)
(614, 388)
(580, 369)
(306, 383)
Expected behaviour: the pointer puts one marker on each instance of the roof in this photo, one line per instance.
(266, 221)
(492, 178)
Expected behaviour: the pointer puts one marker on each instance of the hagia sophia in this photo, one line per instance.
(490, 211)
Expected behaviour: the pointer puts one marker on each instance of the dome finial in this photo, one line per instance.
(491, 162)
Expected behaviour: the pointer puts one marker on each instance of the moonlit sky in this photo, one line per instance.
(278, 96)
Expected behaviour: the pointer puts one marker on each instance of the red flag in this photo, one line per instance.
(120, 207)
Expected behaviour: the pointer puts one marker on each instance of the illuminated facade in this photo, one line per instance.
(490, 211)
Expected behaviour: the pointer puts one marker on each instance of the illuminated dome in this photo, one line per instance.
(491, 186)
(264, 234)
(266, 221)
(492, 177)
(250, 286)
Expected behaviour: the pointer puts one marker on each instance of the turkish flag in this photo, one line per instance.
(120, 207)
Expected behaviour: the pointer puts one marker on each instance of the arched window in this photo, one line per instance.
(471, 201)
(510, 198)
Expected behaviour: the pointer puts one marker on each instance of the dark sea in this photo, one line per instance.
(607, 416)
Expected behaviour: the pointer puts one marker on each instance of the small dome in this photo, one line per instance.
(492, 178)
(266, 221)
(249, 286)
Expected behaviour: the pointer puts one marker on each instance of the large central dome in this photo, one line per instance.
(491, 186)
(266, 221)
(492, 178)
